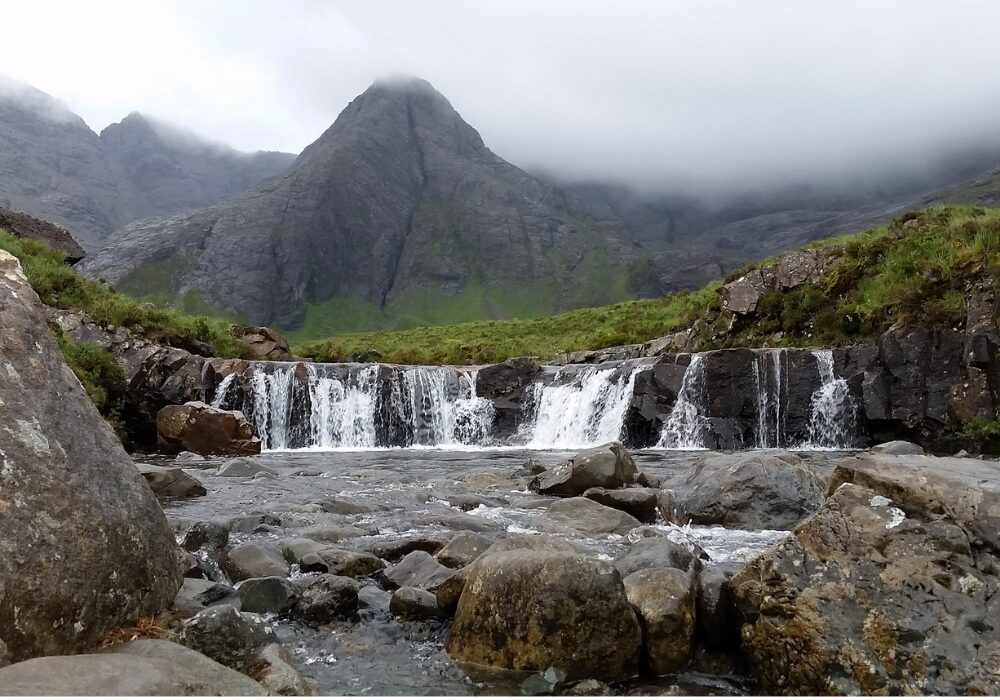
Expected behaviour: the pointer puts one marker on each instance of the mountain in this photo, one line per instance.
(397, 215)
(52, 165)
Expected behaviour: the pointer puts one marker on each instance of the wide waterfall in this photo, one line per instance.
(832, 423)
(684, 428)
(580, 407)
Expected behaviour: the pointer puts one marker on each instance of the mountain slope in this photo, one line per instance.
(53, 166)
(397, 215)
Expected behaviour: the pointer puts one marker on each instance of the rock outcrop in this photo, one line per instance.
(24, 226)
(204, 430)
(262, 343)
(889, 588)
(86, 547)
(528, 610)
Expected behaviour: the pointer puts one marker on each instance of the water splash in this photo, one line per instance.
(222, 391)
(833, 419)
(684, 428)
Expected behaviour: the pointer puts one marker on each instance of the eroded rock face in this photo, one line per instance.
(528, 610)
(890, 587)
(608, 466)
(85, 546)
(763, 489)
(198, 427)
(262, 343)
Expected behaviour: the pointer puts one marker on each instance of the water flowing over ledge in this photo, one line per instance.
(713, 400)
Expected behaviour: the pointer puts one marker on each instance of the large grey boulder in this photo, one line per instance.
(85, 546)
(891, 587)
(144, 667)
(528, 610)
(762, 489)
(609, 466)
(170, 483)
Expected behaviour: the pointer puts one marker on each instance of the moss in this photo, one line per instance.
(100, 375)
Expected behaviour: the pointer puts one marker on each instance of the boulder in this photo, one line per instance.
(414, 604)
(528, 610)
(207, 535)
(416, 570)
(325, 598)
(262, 343)
(608, 466)
(530, 468)
(196, 594)
(399, 547)
(245, 467)
(889, 588)
(56, 237)
(198, 427)
(170, 483)
(548, 682)
(342, 562)
(269, 594)
(275, 671)
(664, 600)
(717, 625)
(253, 560)
(85, 546)
(799, 267)
(640, 503)
(450, 592)
(463, 549)
(658, 553)
(741, 296)
(228, 636)
(758, 490)
(898, 447)
(143, 667)
(591, 517)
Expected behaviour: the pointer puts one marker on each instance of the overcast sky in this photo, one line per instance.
(700, 93)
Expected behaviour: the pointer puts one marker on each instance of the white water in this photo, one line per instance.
(444, 417)
(585, 411)
(832, 422)
(684, 427)
(768, 382)
(343, 415)
(221, 390)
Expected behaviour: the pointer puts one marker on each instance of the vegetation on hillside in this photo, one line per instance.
(917, 268)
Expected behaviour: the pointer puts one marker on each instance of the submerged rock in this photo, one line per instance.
(664, 599)
(171, 482)
(143, 667)
(85, 546)
(889, 588)
(528, 610)
(198, 427)
(758, 490)
(608, 466)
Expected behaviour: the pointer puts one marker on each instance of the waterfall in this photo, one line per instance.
(343, 413)
(581, 407)
(683, 428)
(446, 409)
(832, 422)
(768, 383)
(222, 390)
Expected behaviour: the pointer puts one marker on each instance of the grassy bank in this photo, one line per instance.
(916, 268)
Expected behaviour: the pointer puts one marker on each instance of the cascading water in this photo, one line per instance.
(222, 390)
(767, 366)
(588, 409)
(343, 414)
(683, 429)
(832, 423)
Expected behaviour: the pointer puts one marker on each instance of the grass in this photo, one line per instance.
(917, 268)
(59, 286)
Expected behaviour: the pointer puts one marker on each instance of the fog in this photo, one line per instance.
(694, 96)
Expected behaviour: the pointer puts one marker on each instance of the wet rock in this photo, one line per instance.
(886, 589)
(197, 594)
(270, 594)
(463, 549)
(449, 592)
(591, 517)
(464, 521)
(898, 447)
(531, 543)
(226, 635)
(275, 671)
(758, 490)
(374, 598)
(342, 506)
(198, 427)
(342, 562)
(608, 466)
(293, 549)
(249, 523)
(399, 547)
(640, 503)
(587, 688)
(338, 533)
(545, 683)
(85, 546)
(470, 501)
(171, 482)
(530, 468)
(664, 599)
(658, 553)
(325, 599)
(144, 667)
(245, 467)
(262, 343)
(207, 535)
(717, 623)
(414, 604)
(525, 610)
(533, 503)
(253, 560)
(187, 456)
(417, 570)
(504, 385)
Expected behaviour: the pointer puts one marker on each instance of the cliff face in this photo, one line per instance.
(397, 214)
